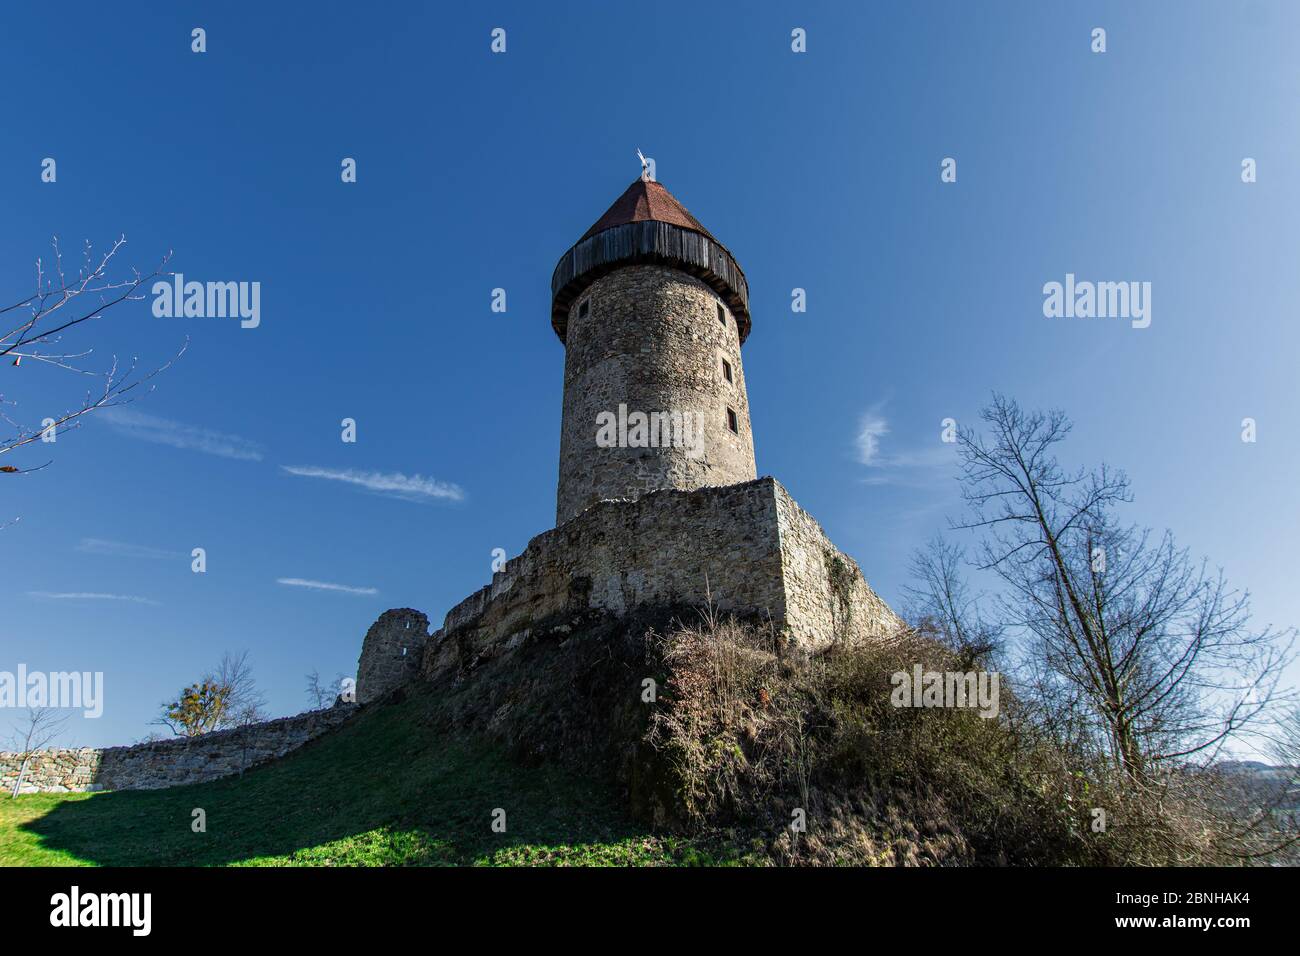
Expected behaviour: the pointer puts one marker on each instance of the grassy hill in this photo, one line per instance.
(744, 737)
(386, 789)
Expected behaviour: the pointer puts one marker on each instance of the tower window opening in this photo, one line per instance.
(726, 370)
(583, 308)
(722, 314)
(733, 423)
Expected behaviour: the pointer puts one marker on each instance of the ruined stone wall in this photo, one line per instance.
(390, 652)
(747, 548)
(826, 596)
(668, 548)
(652, 341)
(167, 763)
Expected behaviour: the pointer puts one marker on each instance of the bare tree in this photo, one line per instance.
(316, 692)
(321, 696)
(1147, 655)
(245, 704)
(32, 330)
(941, 604)
(38, 729)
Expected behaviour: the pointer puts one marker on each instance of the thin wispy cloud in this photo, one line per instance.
(324, 586)
(164, 431)
(921, 465)
(89, 596)
(122, 549)
(871, 429)
(391, 484)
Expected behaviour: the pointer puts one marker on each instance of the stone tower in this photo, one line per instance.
(391, 652)
(652, 311)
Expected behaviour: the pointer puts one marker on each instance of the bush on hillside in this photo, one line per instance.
(745, 730)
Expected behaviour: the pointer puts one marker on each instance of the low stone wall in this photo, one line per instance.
(747, 548)
(167, 763)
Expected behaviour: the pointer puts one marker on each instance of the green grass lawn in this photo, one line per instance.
(384, 790)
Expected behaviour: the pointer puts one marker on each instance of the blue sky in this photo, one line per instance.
(476, 171)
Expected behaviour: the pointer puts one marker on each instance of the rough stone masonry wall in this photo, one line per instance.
(748, 548)
(651, 341)
(390, 653)
(666, 549)
(827, 598)
(167, 763)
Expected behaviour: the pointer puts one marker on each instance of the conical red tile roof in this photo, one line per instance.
(646, 225)
(646, 201)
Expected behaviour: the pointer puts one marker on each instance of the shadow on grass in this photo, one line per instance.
(385, 789)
